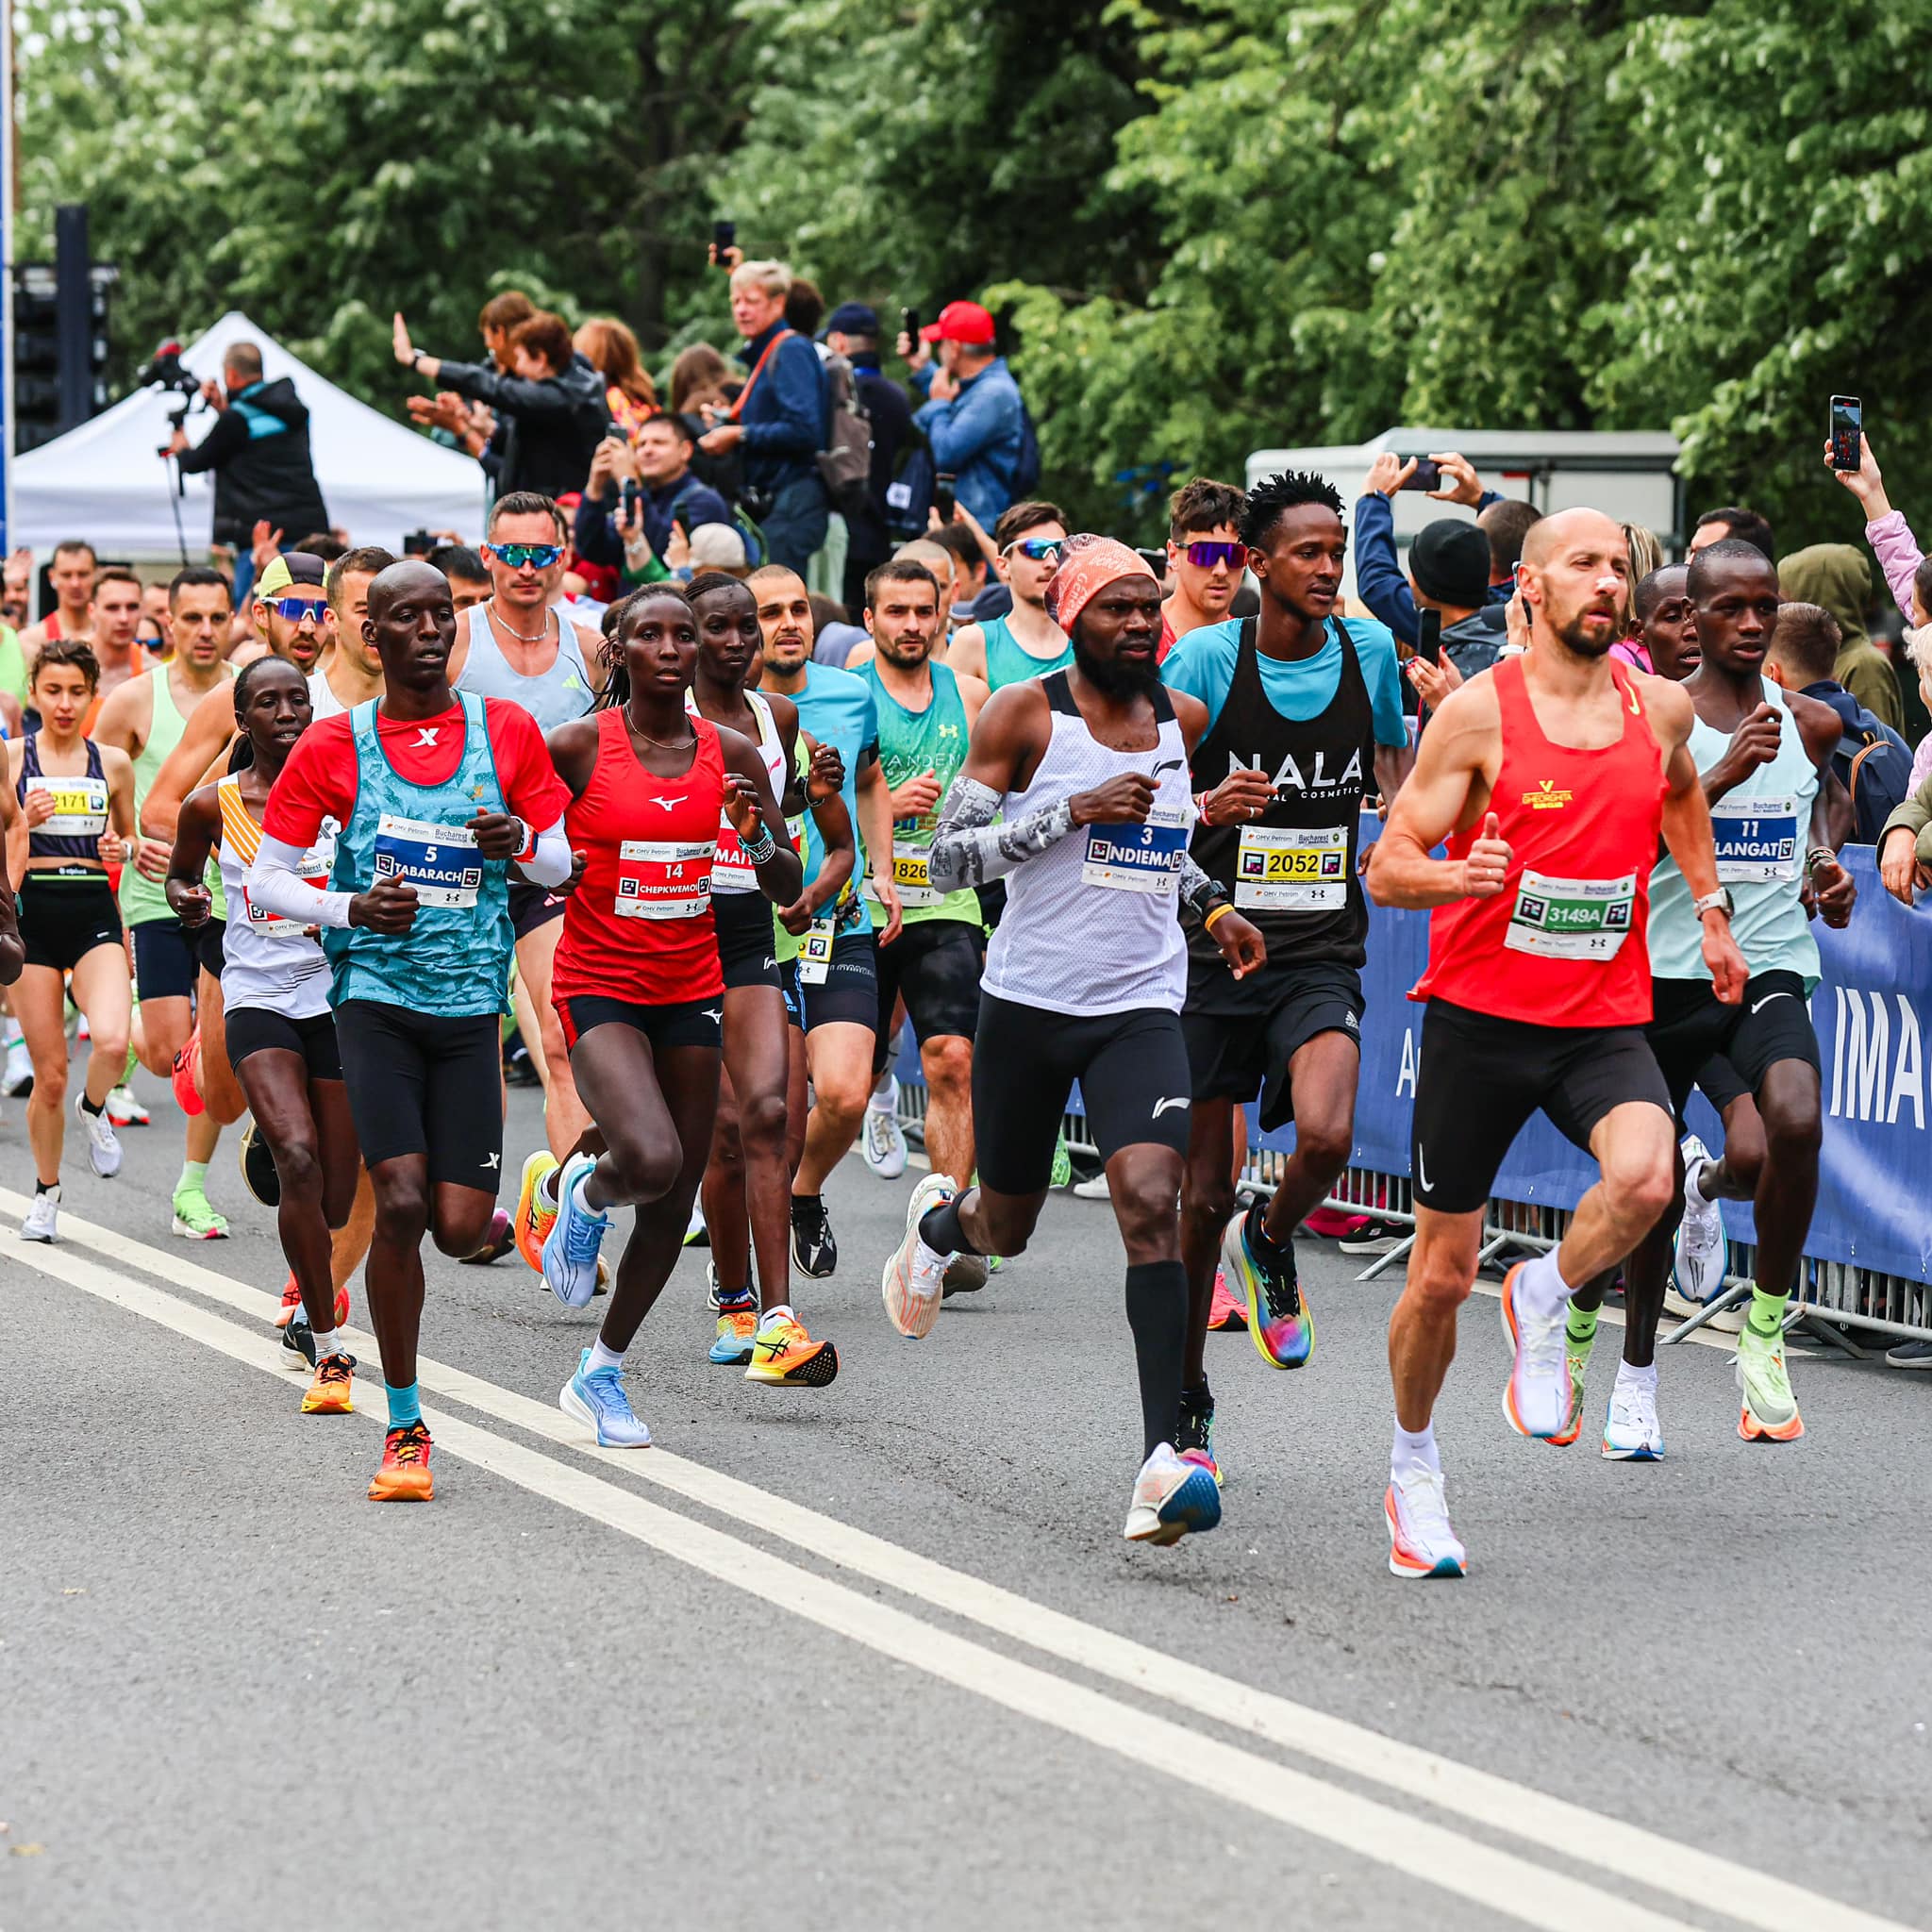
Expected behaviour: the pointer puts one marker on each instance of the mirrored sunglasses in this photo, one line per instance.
(1037, 549)
(296, 609)
(1206, 556)
(527, 556)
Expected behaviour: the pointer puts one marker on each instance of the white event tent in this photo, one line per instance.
(104, 481)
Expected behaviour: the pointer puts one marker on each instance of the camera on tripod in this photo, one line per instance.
(164, 371)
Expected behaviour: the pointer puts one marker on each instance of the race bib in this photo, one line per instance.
(1292, 867)
(1138, 858)
(911, 874)
(80, 805)
(731, 871)
(1757, 839)
(815, 955)
(441, 862)
(316, 865)
(1571, 919)
(662, 878)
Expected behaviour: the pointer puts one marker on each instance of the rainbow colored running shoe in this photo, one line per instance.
(1278, 1319)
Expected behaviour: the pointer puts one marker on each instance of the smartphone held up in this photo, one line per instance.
(1847, 430)
(1428, 475)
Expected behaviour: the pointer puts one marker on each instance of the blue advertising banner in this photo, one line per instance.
(1875, 1201)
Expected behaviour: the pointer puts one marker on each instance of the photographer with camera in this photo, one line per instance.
(259, 450)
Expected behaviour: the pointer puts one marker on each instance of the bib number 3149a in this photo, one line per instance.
(1571, 919)
(441, 862)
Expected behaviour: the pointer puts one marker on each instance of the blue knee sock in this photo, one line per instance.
(403, 1408)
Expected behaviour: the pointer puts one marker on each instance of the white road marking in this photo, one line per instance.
(1683, 1871)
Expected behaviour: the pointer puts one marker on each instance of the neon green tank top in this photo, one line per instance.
(912, 742)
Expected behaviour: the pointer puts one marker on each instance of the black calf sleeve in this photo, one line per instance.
(939, 1230)
(1157, 1314)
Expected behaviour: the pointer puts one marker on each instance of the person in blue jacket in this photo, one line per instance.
(973, 420)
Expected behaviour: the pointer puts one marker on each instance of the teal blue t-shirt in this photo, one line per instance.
(1202, 664)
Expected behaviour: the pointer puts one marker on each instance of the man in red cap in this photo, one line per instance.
(973, 418)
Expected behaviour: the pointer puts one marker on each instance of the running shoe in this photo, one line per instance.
(783, 1351)
(1535, 1398)
(102, 1143)
(535, 1212)
(292, 1303)
(404, 1475)
(496, 1244)
(36, 1224)
(883, 1142)
(965, 1275)
(813, 1250)
(1421, 1544)
(18, 1080)
(697, 1235)
(333, 1389)
(570, 1250)
(1194, 1439)
(195, 1219)
(1698, 1263)
(1577, 1359)
(1225, 1312)
(1909, 1354)
(1095, 1189)
(1173, 1495)
(1278, 1319)
(1062, 1163)
(913, 1283)
(1770, 1412)
(1631, 1430)
(595, 1397)
(258, 1159)
(738, 1325)
(124, 1111)
(187, 1095)
(298, 1338)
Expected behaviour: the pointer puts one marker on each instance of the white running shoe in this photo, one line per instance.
(38, 1223)
(1173, 1495)
(913, 1283)
(1095, 1189)
(1631, 1430)
(19, 1076)
(883, 1142)
(1421, 1544)
(1698, 1270)
(1535, 1398)
(102, 1143)
(123, 1110)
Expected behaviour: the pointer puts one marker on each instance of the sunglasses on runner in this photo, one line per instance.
(1206, 556)
(523, 556)
(296, 609)
(1037, 549)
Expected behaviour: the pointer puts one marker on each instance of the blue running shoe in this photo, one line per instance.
(737, 1329)
(596, 1398)
(570, 1249)
(1173, 1497)
(1278, 1319)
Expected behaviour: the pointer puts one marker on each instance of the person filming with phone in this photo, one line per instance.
(642, 491)
(972, 417)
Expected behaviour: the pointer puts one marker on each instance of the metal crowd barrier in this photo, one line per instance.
(1833, 1298)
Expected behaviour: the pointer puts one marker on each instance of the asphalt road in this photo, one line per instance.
(877, 1655)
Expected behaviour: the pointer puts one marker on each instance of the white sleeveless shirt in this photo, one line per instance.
(731, 871)
(267, 961)
(1092, 925)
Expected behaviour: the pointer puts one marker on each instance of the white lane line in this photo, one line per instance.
(1684, 1871)
(1431, 1853)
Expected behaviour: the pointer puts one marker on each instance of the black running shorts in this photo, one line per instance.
(254, 1029)
(743, 921)
(1242, 1033)
(679, 1023)
(935, 964)
(1479, 1079)
(531, 907)
(62, 920)
(1132, 1068)
(848, 992)
(426, 1083)
(164, 962)
(1772, 1022)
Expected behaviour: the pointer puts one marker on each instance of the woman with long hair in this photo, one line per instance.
(76, 819)
(611, 349)
(281, 1035)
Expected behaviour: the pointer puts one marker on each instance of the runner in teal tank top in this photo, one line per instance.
(437, 795)
(1026, 643)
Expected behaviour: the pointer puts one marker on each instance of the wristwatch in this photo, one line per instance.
(1719, 901)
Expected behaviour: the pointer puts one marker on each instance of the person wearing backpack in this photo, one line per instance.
(973, 418)
(1872, 762)
(780, 421)
(852, 333)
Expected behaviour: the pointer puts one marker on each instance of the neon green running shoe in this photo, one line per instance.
(1062, 1163)
(195, 1220)
(1770, 1411)
(1576, 1354)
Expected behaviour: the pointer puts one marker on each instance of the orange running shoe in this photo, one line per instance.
(782, 1352)
(342, 1304)
(404, 1473)
(187, 1094)
(1226, 1312)
(329, 1393)
(291, 1303)
(535, 1214)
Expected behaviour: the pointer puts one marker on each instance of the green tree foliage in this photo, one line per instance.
(1211, 226)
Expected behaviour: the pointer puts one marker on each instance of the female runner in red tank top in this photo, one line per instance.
(1550, 777)
(638, 985)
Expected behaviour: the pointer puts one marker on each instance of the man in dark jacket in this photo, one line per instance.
(1449, 573)
(550, 409)
(671, 493)
(854, 333)
(259, 450)
(778, 424)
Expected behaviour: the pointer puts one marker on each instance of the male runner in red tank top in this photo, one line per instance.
(1551, 778)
